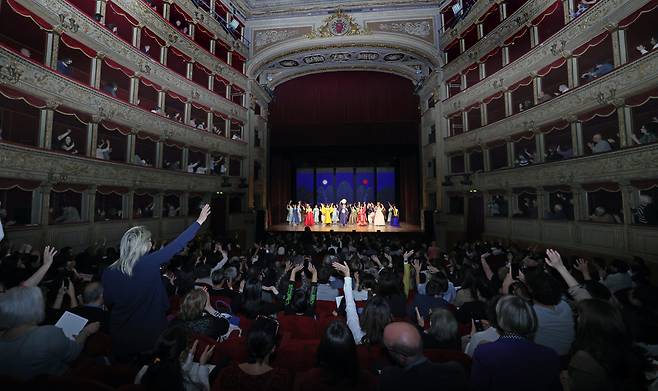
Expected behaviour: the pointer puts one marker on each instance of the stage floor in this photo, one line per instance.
(403, 228)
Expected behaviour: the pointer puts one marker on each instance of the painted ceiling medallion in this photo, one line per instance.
(288, 63)
(393, 57)
(337, 25)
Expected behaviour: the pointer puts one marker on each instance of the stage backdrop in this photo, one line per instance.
(360, 184)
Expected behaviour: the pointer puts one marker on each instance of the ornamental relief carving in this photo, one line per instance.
(505, 29)
(263, 39)
(55, 168)
(421, 29)
(619, 84)
(50, 86)
(637, 163)
(560, 45)
(104, 41)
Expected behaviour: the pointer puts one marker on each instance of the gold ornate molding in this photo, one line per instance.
(337, 25)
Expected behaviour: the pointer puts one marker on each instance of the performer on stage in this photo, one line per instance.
(379, 215)
(390, 213)
(289, 216)
(316, 214)
(334, 214)
(396, 217)
(326, 214)
(300, 207)
(295, 215)
(310, 218)
(344, 214)
(361, 218)
(371, 213)
(353, 213)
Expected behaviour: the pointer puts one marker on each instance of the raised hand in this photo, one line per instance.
(206, 355)
(342, 268)
(583, 266)
(311, 268)
(419, 319)
(416, 264)
(407, 254)
(288, 266)
(48, 255)
(554, 259)
(205, 212)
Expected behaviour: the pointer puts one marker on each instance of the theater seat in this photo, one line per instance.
(299, 327)
(297, 355)
(443, 355)
(373, 358)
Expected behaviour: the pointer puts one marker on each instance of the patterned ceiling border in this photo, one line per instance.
(264, 38)
(416, 28)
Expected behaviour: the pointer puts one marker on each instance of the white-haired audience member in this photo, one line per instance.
(27, 349)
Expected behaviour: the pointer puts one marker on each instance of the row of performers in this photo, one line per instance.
(343, 214)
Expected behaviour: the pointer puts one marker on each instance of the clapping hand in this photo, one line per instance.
(416, 264)
(419, 319)
(48, 255)
(342, 268)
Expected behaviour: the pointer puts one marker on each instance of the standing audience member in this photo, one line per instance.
(133, 288)
(414, 371)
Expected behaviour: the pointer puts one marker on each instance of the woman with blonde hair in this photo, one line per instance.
(198, 316)
(133, 289)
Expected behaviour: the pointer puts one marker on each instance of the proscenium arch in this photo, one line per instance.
(395, 42)
(313, 70)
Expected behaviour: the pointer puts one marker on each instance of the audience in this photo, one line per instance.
(265, 296)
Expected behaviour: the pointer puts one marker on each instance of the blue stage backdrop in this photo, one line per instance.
(345, 183)
(386, 185)
(365, 184)
(324, 185)
(305, 186)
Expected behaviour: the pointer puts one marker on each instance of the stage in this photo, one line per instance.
(403, 228)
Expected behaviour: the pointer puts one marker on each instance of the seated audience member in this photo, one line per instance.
(390, 288)
(443, 332)
(326, 292)
(646, 212)
(514, 362)
(250, 301)
(599, 145)
(300, 301)
(582, 7)
(337, 365)
(432, 298)
(134, 291)
(597, 71)
(414, 371)
(556, 214)
(221, 285)
(600, 215)
(648, 134)
(369, 328)
(172, 366)
(472, 289)
(555, 327)
(256, 374)
(198, 316)
(604, 356)
(617, 277)
(27, 349)
(490, 332)
(93, 306)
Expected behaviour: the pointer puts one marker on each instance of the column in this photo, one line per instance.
(184, 204)
(483, 114)
(127, 202)
(486, 157)
(510, 152)
(213, 43)
(505, 55)
(482, 71)
(187, 113)
(46, 116)
(503, 11)
(572, 69)
(133, 95)
(229, 57)
(462, 45)
(580, 212)
(619, 49)
(534, 36)
(159, 153)
(88, 207)
(462, 81)
(189, 68)
(186, 158)
(162, 100)
(95, 73)
(540, 145)
(625, 126)
(51, 50)
(137, 36)
(465, 127)
(166, 10)
(509, 110)
(100, 9)
(568, 9)
(577, 144)
(211, 82)
(190, 30)
(536, 89)
(627, 194)
(92, 137)
(163, 54)
(467, 161)
(130, 147)
(158, 202)
(480, 30)
(209, 122)
(44, 191)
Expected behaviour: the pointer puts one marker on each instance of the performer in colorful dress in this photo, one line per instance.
(310, 218)
(289, 216)
(353, 213)
(316, 214)
(371, 213)
(396, 217)
(379, 215)
(361, 218)
(300, 208)
(334, 214)
(344, 214)
(390, 213)
(295, 215)
(326, 214)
